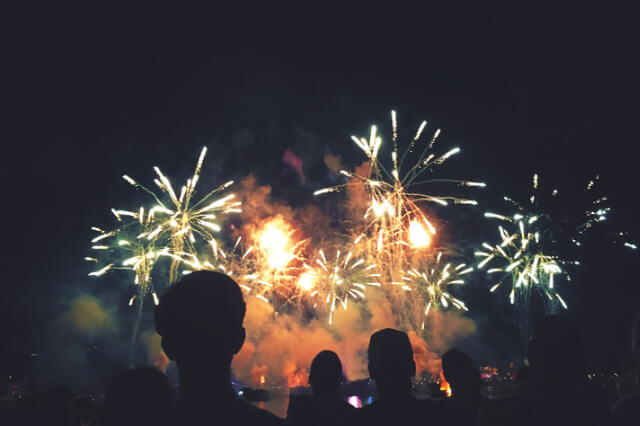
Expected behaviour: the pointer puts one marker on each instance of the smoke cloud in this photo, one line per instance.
(87, 314)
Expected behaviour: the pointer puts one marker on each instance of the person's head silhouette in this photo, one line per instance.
(200, 320)
(325, 374)
(391, 362)
(556, 351)
(459, 372)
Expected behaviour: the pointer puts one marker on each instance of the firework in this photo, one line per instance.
(133, 251)
(237, 262)
(532, 242)
(130, 248)
(395, 221)
(334, 281)
(433, 284)
(180, 218)
(276, 255)
(525, 266)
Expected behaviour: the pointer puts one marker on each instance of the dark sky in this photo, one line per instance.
(93, 91)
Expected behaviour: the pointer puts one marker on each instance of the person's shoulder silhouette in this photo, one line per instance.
(392, 367)
(462, 408)
(200, 320)
(325, 407)
(137, 397)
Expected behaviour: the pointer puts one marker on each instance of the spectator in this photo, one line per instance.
(200, 321)
(557, 392)
(627, 410)
(392, 367)
(462, 408)
(325, 407)
(523, 374)
(138, 397)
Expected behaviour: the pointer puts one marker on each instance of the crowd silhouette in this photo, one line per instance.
(200, 321)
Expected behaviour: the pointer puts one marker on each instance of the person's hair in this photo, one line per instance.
(203, 307)
(325, 374)
(556, 349)
(459, 371)
(391, 356)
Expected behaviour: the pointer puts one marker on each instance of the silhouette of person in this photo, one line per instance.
(557, 392)
(139, 396)
(462, 408)
(325, 407)
(627, 410)
(523, 374)
(392, 367)
(200, 320)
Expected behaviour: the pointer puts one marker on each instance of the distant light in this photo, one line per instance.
(355, 401)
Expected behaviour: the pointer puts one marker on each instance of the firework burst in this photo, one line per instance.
(333, 281)
(180, 218)
(276, 256)
(396, 224)
(237, 262)
(433, 284)
(129, 244)
(525, 265)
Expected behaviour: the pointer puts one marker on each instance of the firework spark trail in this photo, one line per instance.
(180, 218)
(333, 281)
(432, 284)
(276, 255)
(525, 265)
(531, 240)
(237, 262)
(129, 244)
(395, 222)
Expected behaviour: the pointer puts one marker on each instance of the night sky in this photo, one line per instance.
(94, 92)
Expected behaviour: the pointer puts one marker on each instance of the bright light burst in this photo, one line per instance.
(129, 249)
(276, 255)
(433, 284)
(335, 280)
(530, 243)
(395, 221)
(180, 218)
(525, 266)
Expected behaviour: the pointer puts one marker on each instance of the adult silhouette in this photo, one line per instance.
(140, 396)
(557, 392)
(200, 320)
(462, 408)
(325, 407)
(392, 367)
(627, 410)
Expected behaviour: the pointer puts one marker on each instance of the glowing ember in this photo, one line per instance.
(418, 236)
(305, 282)
(274, 241)
(444, 385)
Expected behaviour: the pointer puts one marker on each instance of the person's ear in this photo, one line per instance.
(239, 340)
(413, 368)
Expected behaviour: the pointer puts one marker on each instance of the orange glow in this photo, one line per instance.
(305, 282)
(418, 236)
(444, 385)
(295, 376)
(274, 241)
(262, 380)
